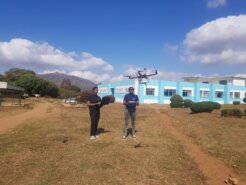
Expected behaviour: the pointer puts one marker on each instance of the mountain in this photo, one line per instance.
(57, 78)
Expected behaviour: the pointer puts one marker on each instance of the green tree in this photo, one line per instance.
(14, 74)
(2, 77)
(75, 88)
(35, 85)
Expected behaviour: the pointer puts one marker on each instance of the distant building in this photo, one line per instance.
(224, 80)
(11, 91)
(160, 91)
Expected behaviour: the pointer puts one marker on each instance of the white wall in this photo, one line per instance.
(238, 82)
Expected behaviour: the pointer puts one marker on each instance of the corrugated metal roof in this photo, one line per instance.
(6, 85)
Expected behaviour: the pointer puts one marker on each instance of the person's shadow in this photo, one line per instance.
(101, 131)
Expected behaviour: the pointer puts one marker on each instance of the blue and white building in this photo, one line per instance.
(160, 91)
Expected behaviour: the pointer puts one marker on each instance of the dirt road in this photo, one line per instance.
(41, 110)
(213, 168)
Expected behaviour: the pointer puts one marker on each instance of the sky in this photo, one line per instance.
(103, 40)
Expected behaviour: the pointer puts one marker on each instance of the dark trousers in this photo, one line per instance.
(95, 116)
(131, 115)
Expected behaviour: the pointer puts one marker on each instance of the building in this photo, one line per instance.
(224, 80)
(160, 91)
(11, 91)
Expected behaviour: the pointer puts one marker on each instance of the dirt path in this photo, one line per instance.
(40, 110)
(213, 168)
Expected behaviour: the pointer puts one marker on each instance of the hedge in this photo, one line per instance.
(176, 101)
(244, 100)
(188, 103)
(176, 104)
(215, 105)
(236, 102)
(231, 112)
(176, 97)
(202, 107)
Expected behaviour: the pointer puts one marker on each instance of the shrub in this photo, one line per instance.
(244, 100)
(176, 101)
(1, 99)
(231, 112)
(236, 102)
(202, 107)
(188, 103)
(83, 97)
(176, 104)
(176, 97)
(215, 105)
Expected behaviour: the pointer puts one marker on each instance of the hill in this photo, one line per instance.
(57, 78)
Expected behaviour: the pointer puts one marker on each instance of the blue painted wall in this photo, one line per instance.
(111, 89)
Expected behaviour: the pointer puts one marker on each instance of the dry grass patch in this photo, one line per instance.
(35, 153)
(220, 137)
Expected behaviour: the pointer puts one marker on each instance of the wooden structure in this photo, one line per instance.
(12, 92)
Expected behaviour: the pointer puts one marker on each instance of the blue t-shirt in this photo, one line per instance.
(131, 100)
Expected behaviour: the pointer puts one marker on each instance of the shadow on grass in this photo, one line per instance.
(101, 131)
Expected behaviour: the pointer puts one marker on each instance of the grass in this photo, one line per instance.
(34, 153)
(221, 137)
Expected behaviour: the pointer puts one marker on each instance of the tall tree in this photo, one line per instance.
(14, 74)
(35, 85)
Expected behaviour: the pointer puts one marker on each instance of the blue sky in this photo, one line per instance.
(102, 40)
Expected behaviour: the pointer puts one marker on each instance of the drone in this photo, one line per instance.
(141, 74)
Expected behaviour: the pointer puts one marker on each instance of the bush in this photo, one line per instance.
(215, 105)
(202, 107)
(236, 102)
(176, 104)
(176, 101)
(176, 97)
(83, 97)
(1, 99)
(188, 103)
(244, 100)
(231, 112)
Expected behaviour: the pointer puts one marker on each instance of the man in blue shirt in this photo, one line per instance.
(130, 102)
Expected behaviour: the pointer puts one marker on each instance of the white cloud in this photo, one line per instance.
(91, 76)
(222, 41)
(45, 58)
(53, 71)
(162, 74)
(216, 3)
(20, 52)
(118, 78)
(171, 48)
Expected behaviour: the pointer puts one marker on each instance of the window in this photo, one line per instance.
(231, 95)
(204, 94)
(236, 94)
(150, 91)
(223, 82)
(169, 92)
(218, 94)
(186, 93)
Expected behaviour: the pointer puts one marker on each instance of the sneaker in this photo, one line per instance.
(97, 136)
(134, 136)
(92, 137)
(124, 137)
